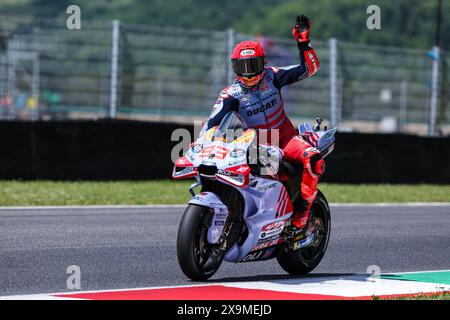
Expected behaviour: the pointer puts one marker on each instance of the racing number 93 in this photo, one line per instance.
(217, 152)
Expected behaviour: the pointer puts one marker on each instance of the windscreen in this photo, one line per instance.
(232, 126)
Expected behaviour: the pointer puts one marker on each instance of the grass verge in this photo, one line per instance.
(35, 193)
(420, 296)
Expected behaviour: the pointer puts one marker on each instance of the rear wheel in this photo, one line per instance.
(193, 249)
(303, 261)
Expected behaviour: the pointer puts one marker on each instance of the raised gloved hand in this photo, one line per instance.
(302, 29)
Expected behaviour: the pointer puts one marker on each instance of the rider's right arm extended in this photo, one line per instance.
(224, 104)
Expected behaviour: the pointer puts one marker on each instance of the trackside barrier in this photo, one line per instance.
(134, 150)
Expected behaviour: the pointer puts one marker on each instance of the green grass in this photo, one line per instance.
(31, 193)
(385, 193)
(437, 296)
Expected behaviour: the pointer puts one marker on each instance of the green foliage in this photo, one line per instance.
(404, 22)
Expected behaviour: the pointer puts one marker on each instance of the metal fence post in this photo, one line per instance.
(13, 49)
(434, 91)
(114, 68)
(333, 82)
(160, 96)
(403, 114)
(230, 46)
(35, 76)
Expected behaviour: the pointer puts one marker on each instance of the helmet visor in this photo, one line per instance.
(248, 67)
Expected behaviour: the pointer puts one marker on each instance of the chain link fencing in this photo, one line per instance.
(172, 74)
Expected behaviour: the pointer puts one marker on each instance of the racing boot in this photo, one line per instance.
(299, 225)
(301, 232)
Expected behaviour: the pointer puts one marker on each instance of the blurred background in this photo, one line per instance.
(167, 61)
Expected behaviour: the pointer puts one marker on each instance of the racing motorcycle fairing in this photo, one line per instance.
(220, 210)
(323, 140)
(268, 208)
(229, 159)
(183, 169)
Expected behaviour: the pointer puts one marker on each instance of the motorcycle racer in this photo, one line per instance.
(256, 95)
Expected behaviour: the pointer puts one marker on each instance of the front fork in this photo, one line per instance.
(232, 226)
(194, 185)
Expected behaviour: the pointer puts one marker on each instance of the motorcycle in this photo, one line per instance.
(241, 215)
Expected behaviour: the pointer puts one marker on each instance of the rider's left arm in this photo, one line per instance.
(309, 63)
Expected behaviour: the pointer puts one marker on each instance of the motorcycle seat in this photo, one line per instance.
(289, 169)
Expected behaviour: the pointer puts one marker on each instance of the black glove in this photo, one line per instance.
(302, 29)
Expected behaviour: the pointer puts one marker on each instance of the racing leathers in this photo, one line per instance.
(262, 108)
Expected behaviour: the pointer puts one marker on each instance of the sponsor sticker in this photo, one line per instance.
(274, 225)
(237, 153)
(225, 173)
(247, 52)
(264, 240)
(246, 98)
(313, 60)
(270, 233)
(252, 256)
(182, 161)
(236, 162)
(262, 108)
(259, 254)
(241, 169)
(304, 243)
(264, 87)
(197, 148)
(267, 187)
(266, 244)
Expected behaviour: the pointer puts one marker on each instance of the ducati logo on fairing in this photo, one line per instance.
(267, 187)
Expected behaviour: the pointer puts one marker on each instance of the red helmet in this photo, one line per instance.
(248, 60)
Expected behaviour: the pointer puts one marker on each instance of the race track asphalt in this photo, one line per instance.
(120, 248)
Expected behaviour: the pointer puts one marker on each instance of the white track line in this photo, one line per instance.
(346, 286)
(19, 297)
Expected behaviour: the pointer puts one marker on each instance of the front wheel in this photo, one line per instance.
(303, 261)
(193, 249)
